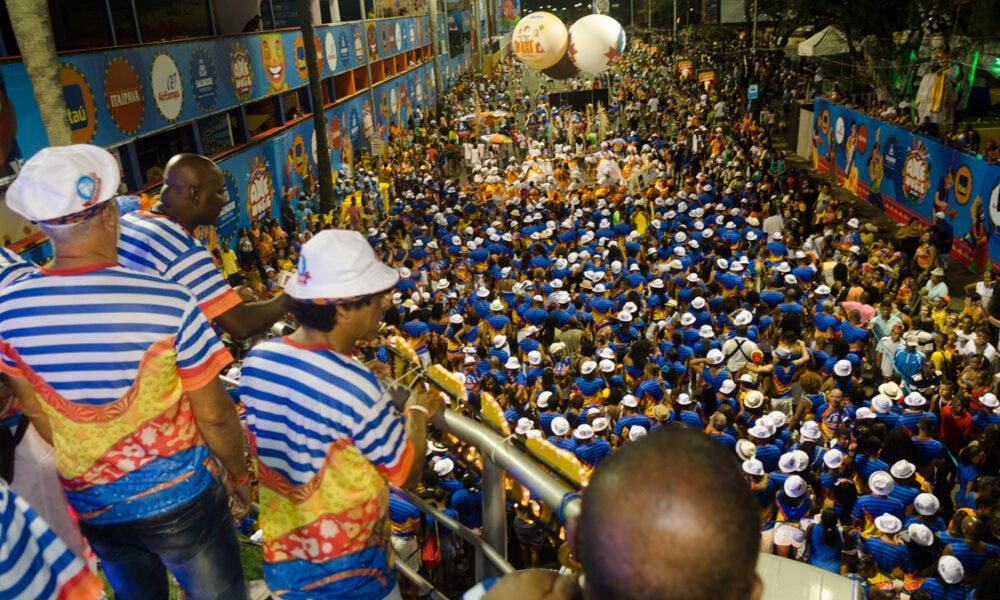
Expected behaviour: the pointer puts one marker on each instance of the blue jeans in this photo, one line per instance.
(196, 542)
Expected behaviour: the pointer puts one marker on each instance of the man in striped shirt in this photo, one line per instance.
(160, 241)
(327, 439)
(36, 564)
(118, 370)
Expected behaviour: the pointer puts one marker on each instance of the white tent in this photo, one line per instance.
(828, 42)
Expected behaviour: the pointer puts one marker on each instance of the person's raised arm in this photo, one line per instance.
(248, 319)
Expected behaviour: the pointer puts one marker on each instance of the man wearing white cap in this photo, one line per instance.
(877, 503)
(590, 450)
(890, 554)
(306, 390)
(162, 241)
(947, 585)
(132, 431)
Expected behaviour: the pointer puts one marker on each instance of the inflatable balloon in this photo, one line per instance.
(564, 69)
(597, 43)
(540, 40)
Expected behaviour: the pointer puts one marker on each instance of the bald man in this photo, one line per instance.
(691, 531)
(161, 241)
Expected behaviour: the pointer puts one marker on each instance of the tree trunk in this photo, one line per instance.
(33, 30)
(324, 168)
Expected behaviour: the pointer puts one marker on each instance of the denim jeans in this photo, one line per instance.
(196, 542)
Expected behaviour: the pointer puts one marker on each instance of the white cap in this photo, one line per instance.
(843, 368)
(742, 317)
(636, 432)
(795, 486)
(560, 426)
(881, 405)
(625, 316)
(524, 425)
(444, 466)
(786, 463)
(706, 331)
(989, 400)
(745, 449)
(534, 357)
(753, 467)
(926, 504)
(65, 184)
(822, 290)
(456, 319)
(728, 386)
(864, 413)
(888, 524)
(337, 264)
(588, 367)
(920, 534)
(753, 399)
(951, 569)
(698, 303)
(499, 340)
(833, 458)
(583, 432)
(777, 417)
(881, 483)
(684, 399)
(630, 401)
(600, 424)
(715, 356)
(890, 390)
(606, 366)
(915, 399)
(759, 431)
(853, 224)
(688, 319)
(542, 401)
(607, 353)
(513, 363)
(810, 431)
(902, 469)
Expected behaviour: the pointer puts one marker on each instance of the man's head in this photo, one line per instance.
(194, 190)
(341, 284)
(692, 530)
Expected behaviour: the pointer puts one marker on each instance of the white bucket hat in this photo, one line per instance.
(338, 266)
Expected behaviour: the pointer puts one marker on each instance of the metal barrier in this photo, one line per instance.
(501, 457)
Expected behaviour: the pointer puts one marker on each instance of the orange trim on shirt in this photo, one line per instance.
(220, 304)
(398, 475)
(202, 375)
(344, 575)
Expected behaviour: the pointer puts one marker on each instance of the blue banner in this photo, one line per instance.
(909, 175)
(119, 94)
(263, 177)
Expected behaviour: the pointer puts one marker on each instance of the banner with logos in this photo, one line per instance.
(119, 94)
(909, 175)
(263, 177)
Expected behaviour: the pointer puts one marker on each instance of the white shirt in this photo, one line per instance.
(986, 293)
(738, 349)
(773, 224)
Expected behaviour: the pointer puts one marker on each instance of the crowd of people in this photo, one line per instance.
(652, 268)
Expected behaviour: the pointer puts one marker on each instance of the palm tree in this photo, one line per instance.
(33, 30)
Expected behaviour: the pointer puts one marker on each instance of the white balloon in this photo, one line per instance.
(540, 40)
(597, 43)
